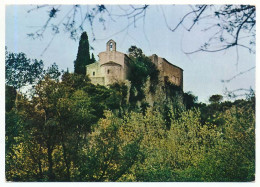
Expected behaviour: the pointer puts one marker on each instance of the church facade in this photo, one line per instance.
(113, 66)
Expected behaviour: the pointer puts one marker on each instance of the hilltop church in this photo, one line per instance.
(113, 66)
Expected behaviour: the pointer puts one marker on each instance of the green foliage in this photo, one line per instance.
(21, 71)
(135, 147)
(57, 119)
(92, 58)
(233, 156)
(135, 52)
(53, 72)
(189, 100)
(83, 56)
(211, 112)
(10, 93)
(142, 68)
(215, 98)
(174, 98)
(72, 130)
(118, 98)
(74, 81)
(110, 151)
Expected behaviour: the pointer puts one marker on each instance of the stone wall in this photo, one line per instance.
(113, 66)
(112, 73)
(98, 80)
(168, 71)
(95, 74)
(174, 73)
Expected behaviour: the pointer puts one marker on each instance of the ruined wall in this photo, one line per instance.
(168, 71)
(174, 73)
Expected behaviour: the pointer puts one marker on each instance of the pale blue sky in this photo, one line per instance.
(203, 72)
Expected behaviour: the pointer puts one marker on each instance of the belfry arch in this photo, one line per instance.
(111, 45)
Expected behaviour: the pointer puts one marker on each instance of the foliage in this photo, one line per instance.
(111, 151)
(215, 98)
(173, 92)
(10, 93)
(142, 68)
(72, 130)
(53, 72)
(83, 56)
(119, 98)
(21, 71)
(134, 147)
(189, 100)
(92, 58)
(233, 156)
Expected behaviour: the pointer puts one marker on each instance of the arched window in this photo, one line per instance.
(93, 73)
(110, 46)
(108, 71)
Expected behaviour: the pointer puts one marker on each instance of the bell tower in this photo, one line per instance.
(111, 45)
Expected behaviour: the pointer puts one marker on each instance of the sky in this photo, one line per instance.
(203, 72)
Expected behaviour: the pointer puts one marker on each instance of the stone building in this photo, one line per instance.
(113, 66)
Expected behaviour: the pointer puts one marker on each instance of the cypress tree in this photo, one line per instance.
(83, 56)
(93, 58)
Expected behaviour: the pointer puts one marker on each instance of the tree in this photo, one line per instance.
(215, 99)
(10, 95)
(189, 100)
(21, 71)
(135, 52)
(231, 156)
(63, 133)
(53, 72)
(83, 56)
(112, 149)
(142, 68)
(92, 58)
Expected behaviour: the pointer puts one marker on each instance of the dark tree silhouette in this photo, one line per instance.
(21, 71)
(83, 56)
(216, 98)
(93, 58)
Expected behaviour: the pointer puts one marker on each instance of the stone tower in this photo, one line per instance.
(113, 66)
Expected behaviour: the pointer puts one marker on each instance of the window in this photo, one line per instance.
(93, 73)
(111, 46)
(108, 71)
